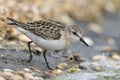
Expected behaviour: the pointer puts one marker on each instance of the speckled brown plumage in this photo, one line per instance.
(46, 29)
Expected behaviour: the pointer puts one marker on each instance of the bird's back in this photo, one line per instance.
(46, 29)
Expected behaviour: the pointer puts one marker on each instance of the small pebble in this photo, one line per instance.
(28, 76)
(38, 78)
(83, 65)
(115, 56)
(57, 71)
(95, 28)
(110, 6)
(110, 41)
(78, 58)
(62, 65)
(74, 69)
(97, 57)
(8, 70)
(27, 70)
(98, 68)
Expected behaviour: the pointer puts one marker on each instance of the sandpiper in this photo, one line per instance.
(49, 35)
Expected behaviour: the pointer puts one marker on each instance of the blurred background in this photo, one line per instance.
(99, 20)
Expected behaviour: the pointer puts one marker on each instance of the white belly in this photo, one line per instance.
(45, 44)
(49, 44)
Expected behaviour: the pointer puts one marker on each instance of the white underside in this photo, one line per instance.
(45, 44)
(62, 43)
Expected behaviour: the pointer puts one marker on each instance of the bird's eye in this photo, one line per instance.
(74, 33)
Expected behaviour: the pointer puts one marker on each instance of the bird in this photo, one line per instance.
(49, 35)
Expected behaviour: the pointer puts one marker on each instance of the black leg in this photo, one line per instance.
(31, 56)
(44, 55)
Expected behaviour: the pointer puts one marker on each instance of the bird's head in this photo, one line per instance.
(76, 34)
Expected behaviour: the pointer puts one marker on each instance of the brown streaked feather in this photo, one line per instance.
(46, 29)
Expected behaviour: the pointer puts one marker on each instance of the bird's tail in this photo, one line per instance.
(15, 22)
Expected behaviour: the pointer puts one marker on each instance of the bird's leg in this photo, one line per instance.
(30, 56)
(44, 55)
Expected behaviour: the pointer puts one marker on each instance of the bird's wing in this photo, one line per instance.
(46, 29)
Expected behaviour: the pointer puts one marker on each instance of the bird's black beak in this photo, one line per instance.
(82, 40)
